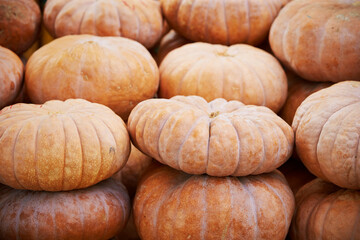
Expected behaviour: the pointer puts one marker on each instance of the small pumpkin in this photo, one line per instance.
(219, 138)
(327, 131)
(139, 20)
(11, 76)
(319, 40)
(325, 211)
(113, 71)
(95, 213)
(239, 72)
(19, 24)
(220, 21)
(170, 204)
(60, 146)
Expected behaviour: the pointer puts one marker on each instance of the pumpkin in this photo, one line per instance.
(240, 72)
(220, 21)
(298, 90)
(130, 174)
(170, 204)
(319, 40)
(327, 130)
(169, 42)
(11, 76)
(96, 213)
(60, 146)
(219, 138)
(19, 24)
(113, 71)
(140, 20)
(325, 211)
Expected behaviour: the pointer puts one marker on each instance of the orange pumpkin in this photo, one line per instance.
(219, 138)
(298, 90)
(114, 71)
(95, 213)
(130, 174)
(60, 145)
(240, 72)
(11, 76)
(140, 20)
(19, 24)
(325, 211)
(221, 21)
(170, 204)
(327, 130)
(319, 40)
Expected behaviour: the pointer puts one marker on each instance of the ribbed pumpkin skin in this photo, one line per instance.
(298, 90)
(140, 20)
(240, 72)
(130, 174)
(319, 40)
(219, 138)
(170, 204)
(222, 21)
(60, 145)
(19, 24)
(325, 211)
(113, 71)
(11, 76)
(327, 130)
(95, 213)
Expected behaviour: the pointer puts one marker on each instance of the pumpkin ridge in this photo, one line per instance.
(100, 148)
(239, 147)
(35, 154)
(106, 210)
(263, 146)
(231, 190)
(226, 23)
(17, 218)
(81, 215)
(82, 17)
(13, 154)
(182, 80)
(55, 20)
(203, 223)
(356, 223)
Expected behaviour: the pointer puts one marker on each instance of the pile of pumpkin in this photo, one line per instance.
(218, 92)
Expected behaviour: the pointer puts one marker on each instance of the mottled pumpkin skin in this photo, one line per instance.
(60, 145)
(11, 76)
(298, 90)
(140, 20)
(327, 131)
(325, 211)
(239, 72)
(222, 21)
(319, 40)
(130, 174)
(219, 138)
(95, 213)
(114, 71)
(19, 24)
(170, 204)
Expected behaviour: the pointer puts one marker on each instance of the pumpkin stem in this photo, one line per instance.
(214, 114)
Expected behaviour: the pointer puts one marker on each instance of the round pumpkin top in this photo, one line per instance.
(325, 211)
(60, 145)
(94, 213)
(114, 71)
(239, 72)
(219, 138)
(19, 24)
(140, 20)
(170, 204)
(319, 40)
(11, 76)
(327, 131)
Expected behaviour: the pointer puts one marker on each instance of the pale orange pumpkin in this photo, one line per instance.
(327, 133)
(60, 145)
(95, 213)
(11, 76)
(239, 72)
(170, 204)
(325, 211)
(219, 138)
(19, 24)
(221, 21)
(114, 71)
(140, 20)
(319, 40)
